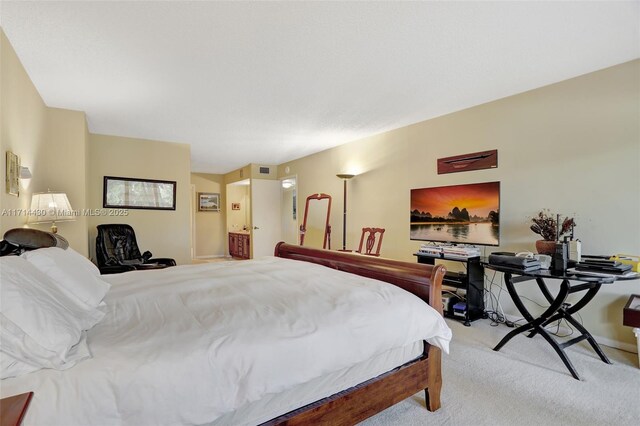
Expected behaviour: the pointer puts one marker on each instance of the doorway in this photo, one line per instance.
(289, 210)
(254, 208)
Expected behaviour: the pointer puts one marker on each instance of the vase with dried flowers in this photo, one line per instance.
(546, 225)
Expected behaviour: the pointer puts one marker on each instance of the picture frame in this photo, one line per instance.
(208, 202)
(235, 206)
(138, 193)
(12, 183)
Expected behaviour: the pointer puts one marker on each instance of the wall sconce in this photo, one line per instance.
(50, 207)
(25, 173)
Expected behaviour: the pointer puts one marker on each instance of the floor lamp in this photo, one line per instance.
(345, 177)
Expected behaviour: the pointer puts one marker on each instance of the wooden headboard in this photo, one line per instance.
(425, 281)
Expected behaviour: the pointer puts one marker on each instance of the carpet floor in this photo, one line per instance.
(525, 383)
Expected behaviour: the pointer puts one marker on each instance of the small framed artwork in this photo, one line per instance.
(13, 174)
(208, 202)
(235, 206)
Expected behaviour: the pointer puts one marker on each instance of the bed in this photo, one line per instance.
(305, 336)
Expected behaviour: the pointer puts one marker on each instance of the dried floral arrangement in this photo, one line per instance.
(546, 225)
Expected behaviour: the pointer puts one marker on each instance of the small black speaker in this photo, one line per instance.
(560, 257)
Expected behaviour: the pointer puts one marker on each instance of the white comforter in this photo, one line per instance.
(187, 344)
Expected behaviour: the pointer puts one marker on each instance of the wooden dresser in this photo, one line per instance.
(239, 245)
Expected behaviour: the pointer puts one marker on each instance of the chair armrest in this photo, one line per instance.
(162, 261)
(116, 269)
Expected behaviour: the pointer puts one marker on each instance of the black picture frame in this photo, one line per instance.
(133, 193)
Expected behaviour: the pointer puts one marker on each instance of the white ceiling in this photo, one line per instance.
(268, 82)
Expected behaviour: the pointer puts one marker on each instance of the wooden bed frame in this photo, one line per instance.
(361, 401)
(366, 399)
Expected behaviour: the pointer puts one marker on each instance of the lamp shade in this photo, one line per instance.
(345, 175)
(49, 207)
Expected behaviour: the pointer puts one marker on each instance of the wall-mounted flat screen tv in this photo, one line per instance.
(460, 214)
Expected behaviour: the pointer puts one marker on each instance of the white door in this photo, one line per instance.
(266, 228)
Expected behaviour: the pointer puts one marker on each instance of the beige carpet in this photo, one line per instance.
(525, 383)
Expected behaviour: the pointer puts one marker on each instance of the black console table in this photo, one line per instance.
(472, 281)
(558, 308)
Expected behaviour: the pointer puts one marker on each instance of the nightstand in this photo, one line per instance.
(13, 409)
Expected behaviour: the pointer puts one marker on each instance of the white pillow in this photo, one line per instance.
(39, 323)
(17, 357)
(20, 354)
(70, 271)
(83, 262)
(12, 367)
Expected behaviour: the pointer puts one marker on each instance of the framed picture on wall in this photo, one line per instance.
(13, 174)
(235, 206)
(208, 202)
(136, 193)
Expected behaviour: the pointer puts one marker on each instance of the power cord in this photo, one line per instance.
(556, 324)
(496, 313)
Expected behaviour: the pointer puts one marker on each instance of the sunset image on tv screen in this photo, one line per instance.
(464, 214)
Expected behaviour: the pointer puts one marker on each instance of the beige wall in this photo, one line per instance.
(67, 145)
(166, 233)
(210, 227)
(573, 147)
(23, 121)
(257, 174)
(51, 142)
(239, 174)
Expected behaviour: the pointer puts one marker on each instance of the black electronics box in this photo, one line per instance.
(631, 312)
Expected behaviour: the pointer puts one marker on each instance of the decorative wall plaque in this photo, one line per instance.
(467, 162)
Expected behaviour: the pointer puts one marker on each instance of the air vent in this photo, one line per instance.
(264, 170)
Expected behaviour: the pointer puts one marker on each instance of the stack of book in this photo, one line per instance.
(600, 266)
(458, 251)
(430, 250)
(462, 252)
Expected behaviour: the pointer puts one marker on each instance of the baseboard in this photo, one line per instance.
(212, 256)
(623, 346)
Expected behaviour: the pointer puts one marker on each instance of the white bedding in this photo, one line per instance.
(190, 344)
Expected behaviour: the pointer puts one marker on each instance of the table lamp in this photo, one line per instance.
(50, 207)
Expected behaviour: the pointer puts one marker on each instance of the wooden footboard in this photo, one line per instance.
(366, 399)
(425, 281)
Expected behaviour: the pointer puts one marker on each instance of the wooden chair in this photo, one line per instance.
(371, 241)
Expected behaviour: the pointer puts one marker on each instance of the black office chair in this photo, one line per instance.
(117, 251)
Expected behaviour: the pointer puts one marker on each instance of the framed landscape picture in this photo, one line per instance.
(136, 193)
(208, 202)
